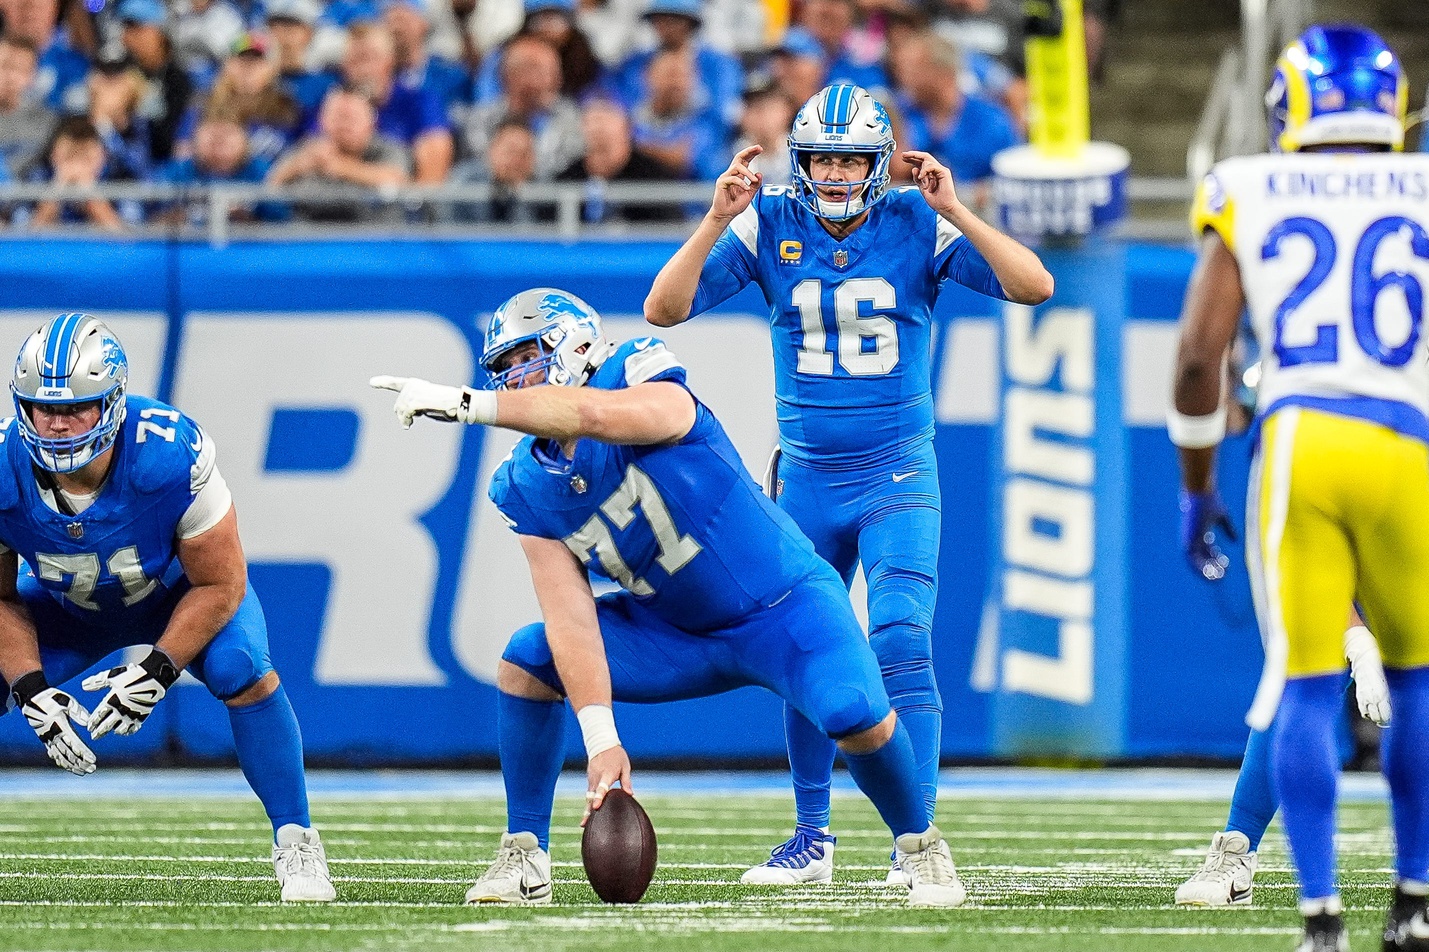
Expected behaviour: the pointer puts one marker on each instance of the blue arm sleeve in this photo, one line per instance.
(727, 271)
(965, 264)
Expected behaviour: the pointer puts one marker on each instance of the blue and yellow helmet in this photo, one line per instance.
(1337, 85)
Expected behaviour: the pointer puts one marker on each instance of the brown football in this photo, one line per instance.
(618, 849)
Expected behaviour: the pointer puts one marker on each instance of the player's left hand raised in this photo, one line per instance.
(605, 769)
(134, 689)
(934, 180)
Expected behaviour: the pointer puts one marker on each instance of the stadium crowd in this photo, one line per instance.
(371, 94)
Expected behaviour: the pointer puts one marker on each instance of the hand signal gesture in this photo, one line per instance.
(934, 180)
(736, 187)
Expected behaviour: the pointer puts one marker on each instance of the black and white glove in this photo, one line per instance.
(1367, 670)
(417, 397)
(134, 689)
(52, 715)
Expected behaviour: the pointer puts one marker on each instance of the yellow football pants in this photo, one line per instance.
(1338, 510)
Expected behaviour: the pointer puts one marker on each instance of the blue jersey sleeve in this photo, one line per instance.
(733, 262)
(955, 259)
(509, 501)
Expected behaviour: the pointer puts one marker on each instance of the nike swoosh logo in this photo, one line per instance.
(1238, 895)
(643, 344)
(899, 477)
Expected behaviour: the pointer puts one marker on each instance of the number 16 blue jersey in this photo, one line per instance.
(851, 318)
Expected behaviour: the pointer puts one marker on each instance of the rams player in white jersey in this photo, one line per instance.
(1326, 243)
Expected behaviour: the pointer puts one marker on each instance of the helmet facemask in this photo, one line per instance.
(841, 119)
(71, 361)
(566, 331)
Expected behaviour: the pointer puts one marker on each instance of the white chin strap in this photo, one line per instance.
(837, 210)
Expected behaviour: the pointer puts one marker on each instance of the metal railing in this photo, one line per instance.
(1232, 121)
(416, 211)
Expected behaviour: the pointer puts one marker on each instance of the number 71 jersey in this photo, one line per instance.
(115, 562)
(1333, 250)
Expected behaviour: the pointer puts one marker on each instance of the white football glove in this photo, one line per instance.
(417, 397)
(134, 689)
(1371, 689)
(52, 714)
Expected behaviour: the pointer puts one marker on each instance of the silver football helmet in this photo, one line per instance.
(566, 329)
(71, 359)
(841, 118)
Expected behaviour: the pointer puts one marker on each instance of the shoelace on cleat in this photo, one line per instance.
(300, 859)
(791, 854)
(931, 865)
(511, 859)
(1217, 866)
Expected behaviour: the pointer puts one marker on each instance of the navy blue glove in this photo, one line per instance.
(1201, 515)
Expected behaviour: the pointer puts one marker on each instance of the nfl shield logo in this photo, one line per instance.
(840, 259)
(76, 530)
(578, 483)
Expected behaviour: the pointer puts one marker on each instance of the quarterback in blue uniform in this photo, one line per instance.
(128, 536)
(628, 476)
(851, 270)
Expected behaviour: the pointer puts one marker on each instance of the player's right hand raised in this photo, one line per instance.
(735, 189)
(52, 714)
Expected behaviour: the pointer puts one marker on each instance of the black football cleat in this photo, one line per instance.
(1324, 932)
(1406, 928)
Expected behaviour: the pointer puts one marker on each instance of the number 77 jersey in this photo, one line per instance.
(1333, 250)
(851, 318)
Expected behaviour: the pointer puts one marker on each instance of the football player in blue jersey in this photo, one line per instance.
(627, 475)
(851, 270)
(128, 538)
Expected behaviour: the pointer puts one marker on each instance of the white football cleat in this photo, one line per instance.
(301, 864)
(1226, 877)
(805, 857)
(520, 876)
(896, 876)
(932, 878)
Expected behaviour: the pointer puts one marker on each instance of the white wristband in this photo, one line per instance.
(1196, 432)
(598, 728)
(477, 406)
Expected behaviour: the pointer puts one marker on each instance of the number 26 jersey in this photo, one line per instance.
(1333, 250)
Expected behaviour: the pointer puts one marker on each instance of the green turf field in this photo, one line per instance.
(1055, 874)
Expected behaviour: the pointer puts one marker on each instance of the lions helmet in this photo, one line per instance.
(1337, 85)
(566, 329)
(71, 359)
(841, 118)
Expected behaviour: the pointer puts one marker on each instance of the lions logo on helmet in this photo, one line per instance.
(841, 118)
(1337, 85)
(71, 359)
(566, 329)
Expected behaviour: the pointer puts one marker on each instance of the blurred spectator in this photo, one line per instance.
(797, 66)
(291, 24)
(412, 116)
(203, 33)
(345, 149)
(767, 118)
(345, 13)
(962, 131)
(531, 76)
(59, 79)
(75, 158)
(611, 156)
(719, 79)
(852, 58)
(612, 26)
(1096, 16)
(407, 21)
(553, 21)
(170, 88)
(220, 154)
(669, 126)
(992, 36)
(738, 26)
(473, 30)
(25, 122)
(248, 88)
(510, 165)
(116, 91)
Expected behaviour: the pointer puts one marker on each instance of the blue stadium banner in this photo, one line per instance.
(1055, 630)
(391, 585)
